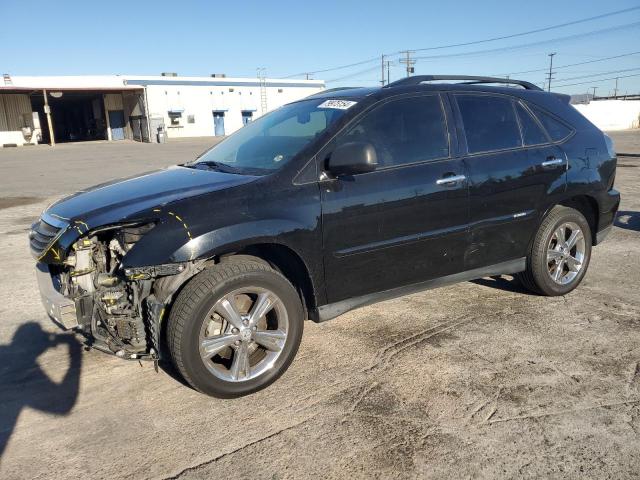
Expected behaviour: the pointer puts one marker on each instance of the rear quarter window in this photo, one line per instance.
(556, 129)
(532, 133)
(489, 123)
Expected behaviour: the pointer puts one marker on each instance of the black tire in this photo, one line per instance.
(200, 295)
(536, 277)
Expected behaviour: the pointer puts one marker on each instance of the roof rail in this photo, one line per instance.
(467, 79)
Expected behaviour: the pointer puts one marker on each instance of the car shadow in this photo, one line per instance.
(500, 282)
(166, 365)
(628, 220)
(23, 383)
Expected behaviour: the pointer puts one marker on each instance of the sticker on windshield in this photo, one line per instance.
(337, 104)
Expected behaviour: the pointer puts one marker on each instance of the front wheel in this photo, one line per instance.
(235, 328)
(560, 253)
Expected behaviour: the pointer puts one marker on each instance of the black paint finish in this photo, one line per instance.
(373, 232)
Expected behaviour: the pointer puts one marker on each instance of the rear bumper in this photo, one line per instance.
(61, 309)
(609, 204)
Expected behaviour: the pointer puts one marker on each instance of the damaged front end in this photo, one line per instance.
(119, 310)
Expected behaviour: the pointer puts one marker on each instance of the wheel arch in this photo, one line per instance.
(587, 206)
(288, 262)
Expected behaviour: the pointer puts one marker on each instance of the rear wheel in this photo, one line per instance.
(235, 328)
(560, 253)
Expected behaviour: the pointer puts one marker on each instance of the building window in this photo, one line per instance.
(279, 90)
(231, 90)
(191, 119)
(175, 116)
(247, 116)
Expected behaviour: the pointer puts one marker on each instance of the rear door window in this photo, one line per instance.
(532, 133)
(403, 131)
(489, 123)
(555, 128)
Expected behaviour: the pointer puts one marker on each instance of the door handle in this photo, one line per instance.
(450, 180)
(551, 161)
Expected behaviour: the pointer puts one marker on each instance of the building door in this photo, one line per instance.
(218, 123)
(247, 116)
(139, 128)
(116, 122)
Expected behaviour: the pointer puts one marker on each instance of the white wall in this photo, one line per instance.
(201, 101)
(612, 114)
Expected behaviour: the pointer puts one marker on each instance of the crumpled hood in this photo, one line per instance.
(118, 200)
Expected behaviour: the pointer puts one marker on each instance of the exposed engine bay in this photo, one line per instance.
(119, 310)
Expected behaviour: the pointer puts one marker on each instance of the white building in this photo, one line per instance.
(117, 107)
(612, 114)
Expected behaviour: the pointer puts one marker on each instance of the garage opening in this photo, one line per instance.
(76, 116)
(81, 116)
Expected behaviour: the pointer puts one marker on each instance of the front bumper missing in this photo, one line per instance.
(61, 309)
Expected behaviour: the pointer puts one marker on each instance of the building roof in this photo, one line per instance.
(133, 82)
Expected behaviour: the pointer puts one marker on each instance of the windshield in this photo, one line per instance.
(267, 144)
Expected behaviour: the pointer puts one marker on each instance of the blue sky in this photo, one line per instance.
(289, 37)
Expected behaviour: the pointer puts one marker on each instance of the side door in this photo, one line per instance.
(406, 221)
(116, 122)
(508, 182)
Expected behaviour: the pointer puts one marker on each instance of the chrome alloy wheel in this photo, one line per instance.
(565, 253)
(243, 334)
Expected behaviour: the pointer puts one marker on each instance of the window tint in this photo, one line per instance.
(403, 131)
(556, 129)
(305, 125)
(489, 123)
(532, 134)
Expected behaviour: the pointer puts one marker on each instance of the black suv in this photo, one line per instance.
(345, 198)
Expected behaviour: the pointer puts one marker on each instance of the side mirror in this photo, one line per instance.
(352, 158)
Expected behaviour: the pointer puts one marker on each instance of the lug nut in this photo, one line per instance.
(245, 322)
(237, 342)
(255, 328)
(234, 330)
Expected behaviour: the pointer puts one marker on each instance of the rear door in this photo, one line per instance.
(405, 222)
(512, 169)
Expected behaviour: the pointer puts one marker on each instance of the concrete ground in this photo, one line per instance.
(477, 380)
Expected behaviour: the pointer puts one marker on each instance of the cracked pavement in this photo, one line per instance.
(477, 380)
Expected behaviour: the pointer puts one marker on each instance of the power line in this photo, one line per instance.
(598, 74)
(599, 80)
(538, 30)
(616, 28)
(486, 40)
(351, 75)
(334, 68)
(575, 64)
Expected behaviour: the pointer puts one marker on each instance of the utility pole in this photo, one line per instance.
(388, 76)
(409, 62)
(550, 77)
(615, 91)
(594, 92)
(382, 71)
(47, 111)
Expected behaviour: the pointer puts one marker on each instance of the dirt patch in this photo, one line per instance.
(8, 202)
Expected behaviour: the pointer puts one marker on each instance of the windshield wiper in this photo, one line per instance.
(212, 165)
